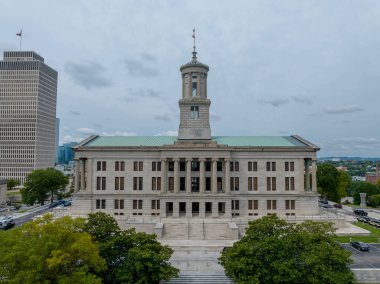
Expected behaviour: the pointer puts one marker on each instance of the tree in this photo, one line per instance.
(47, 251)
(131, 257)
(42, 183)
(364, 187)
(274, 251)
(12, 183)
(328, 181)
(344, 184)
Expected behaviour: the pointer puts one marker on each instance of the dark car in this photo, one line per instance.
(7, 223)
(360, 212)
(328, 206)
(337, 205)
(360, 246)
(364, 219)
(323, 201)
(67, 203)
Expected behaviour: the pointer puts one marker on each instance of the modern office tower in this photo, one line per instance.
(28, 99)
(56, 140)
(66, 153)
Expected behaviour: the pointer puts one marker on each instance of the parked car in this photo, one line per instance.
(374, 222)
(360, 212)
(364, 219)
(360, 246)
(337, 205)
(328, 206)
(323, 201)
(7, 223)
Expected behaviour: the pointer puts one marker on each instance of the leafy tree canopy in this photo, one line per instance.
(12, 183)
(364, 187)
(274, 251)
(42, 183)
(47, 251)
(328, 181)
(131, 257)
(344, 184)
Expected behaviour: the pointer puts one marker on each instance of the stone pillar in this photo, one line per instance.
(307, 174)
(175, 209)
(314, 175)
(363, 201)
(77, 165)
(227, 209)
(215, 212)
(214, 176)
(188, 175)
(164, 176)
(199, 84)
(189, 209)
(163, 208)
(202, 209)
(82, 175)
(202, 176)
(227, 176)
(176, 175)
(89, 175)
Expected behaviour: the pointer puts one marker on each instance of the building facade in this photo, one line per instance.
(66, 153)
(28, 98)
(196, 174)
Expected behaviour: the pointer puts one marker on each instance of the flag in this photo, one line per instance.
(19, 34)
(193, 33)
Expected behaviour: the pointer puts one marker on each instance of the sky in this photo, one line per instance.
(309, 68)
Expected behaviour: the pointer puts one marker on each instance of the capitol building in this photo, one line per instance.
(195, 175)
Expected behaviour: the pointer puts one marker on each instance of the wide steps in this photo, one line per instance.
(175, 231)
(196, 231)
(217, 231)
(200, 279)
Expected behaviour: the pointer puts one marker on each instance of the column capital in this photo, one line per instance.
(215, 159)
(189, 159)
(227, 160)
(176, 159)
(164, 159)
(202, 159)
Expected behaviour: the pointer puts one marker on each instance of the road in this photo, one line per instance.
(29, 217)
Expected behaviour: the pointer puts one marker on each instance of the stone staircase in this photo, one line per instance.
(175, 231)
(196, 231)
(200, 279)
(217, 231)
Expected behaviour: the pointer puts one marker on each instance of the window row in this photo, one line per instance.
(120, 166)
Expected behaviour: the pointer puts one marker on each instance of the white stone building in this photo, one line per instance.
(28, 99)
(196, 175)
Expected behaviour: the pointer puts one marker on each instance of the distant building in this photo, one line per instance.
(66, 153)
(3, 191)
(341, 168)
(357, 178)
(373, 178)
(28, 99)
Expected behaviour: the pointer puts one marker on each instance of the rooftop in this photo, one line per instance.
(231, 141)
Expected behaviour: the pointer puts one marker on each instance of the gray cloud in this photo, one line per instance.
(88, 74)
(74, 112)
(214, 116)
(138, 69)
(163, 117)
(359, 140)
(136, 94)
(147, 57)
(303, 100)
(274, 102)
(342, 110)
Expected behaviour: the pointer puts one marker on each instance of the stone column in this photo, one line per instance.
(89, 175)
(363, 201)
(176, 175)
(307, 174)
(214, 176)
(82, 175)
(175, 209)
(77, 165)
(164, 176)
(198, 84)
(189, 209)
(202, 209)
(227, 209)
(215, 212)
(227, 176)
(188, 175)
(314, 175)
(202, 176)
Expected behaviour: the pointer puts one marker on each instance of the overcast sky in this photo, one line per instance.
(310, 68)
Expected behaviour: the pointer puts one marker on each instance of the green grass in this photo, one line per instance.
(373, 238)
(12, 193)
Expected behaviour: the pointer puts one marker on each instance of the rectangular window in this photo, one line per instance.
(98, 183)
(158, 166)
(135, 166)
(121, 204)
(140, 183)
(250, 205)
(171, 166)
(208, 166)
(250, 166)
(286, 166)
(182, 183)
(116, 166)
(154, 168)
(121, 183)
(236, 166)
(195, 184)
(98, 168)
(171, 183)
(208, 184)
(98, 202)
(219, 166)
(287, 183)
(274, 187)
(158, 183)
(134, 183)
(194, 166)
(104, 166)
(269, 187)
(154, 183)
(268, 166)
(116, 206)
(273, 166)
(292, 187)
(116, 183)
(292, 166)
(134, 204)
(141, 166)
(219, 184)
(103, 183)
(271, 204)
(252, 183)
(182, 166)
(153, 205)
(140, 204)
(253, 204)
(271, 184)
(289, 166)
(290, 204)
(234, 183)
(194, 112)
(122, 166)
(235, 205)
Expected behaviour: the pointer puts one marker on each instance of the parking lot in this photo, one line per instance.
(365, 259)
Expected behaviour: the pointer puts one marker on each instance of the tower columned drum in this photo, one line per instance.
(194, 105)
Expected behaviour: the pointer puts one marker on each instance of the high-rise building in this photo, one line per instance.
(28, 99)
(56, 140)
(66, 153)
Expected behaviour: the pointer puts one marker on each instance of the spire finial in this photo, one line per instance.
(194, 52)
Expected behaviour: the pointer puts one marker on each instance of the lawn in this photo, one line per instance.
(373, 238)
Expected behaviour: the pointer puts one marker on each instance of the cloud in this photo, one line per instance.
(70, 138)
(85, 130)
(163, 117)
(135, 94)
(147, 57)
(274, 102)
(341, 110)
(74, 112)
(214, 116)
(138, 69)
(303, 100)
(168, 133)
(361, 140)
(88, 74)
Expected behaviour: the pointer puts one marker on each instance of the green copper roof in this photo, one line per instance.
(232, 141)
